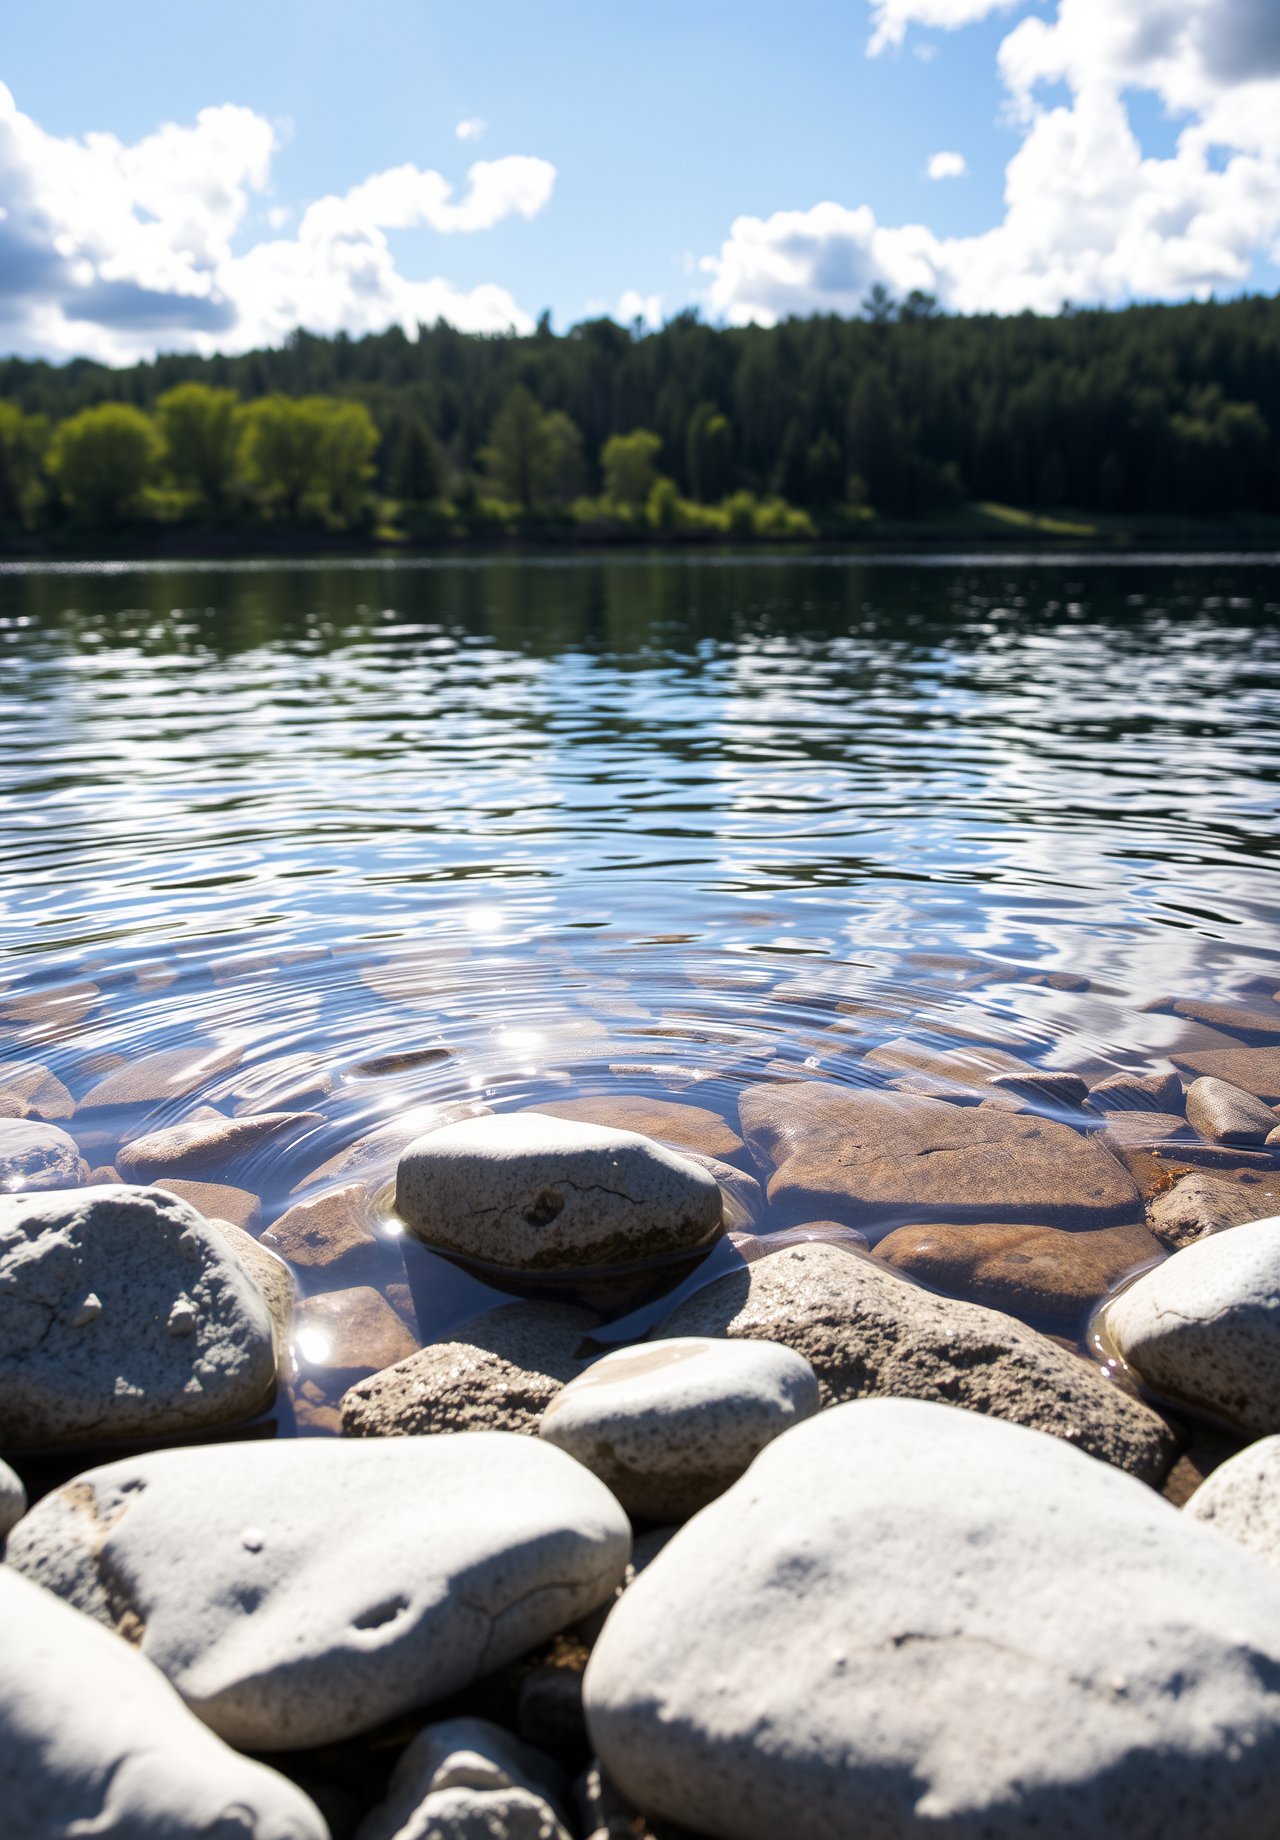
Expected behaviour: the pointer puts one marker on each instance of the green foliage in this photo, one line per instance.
(416, 470)
(533, 457)
(203, 431)
(347, 444)
(283, 448)
(103, 457)
(629, 464)
(23, 441)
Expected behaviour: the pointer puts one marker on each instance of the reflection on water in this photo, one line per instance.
(514, 831)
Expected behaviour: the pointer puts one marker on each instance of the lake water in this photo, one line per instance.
(629, 823)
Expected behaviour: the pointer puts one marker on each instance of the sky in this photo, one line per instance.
(182, 178)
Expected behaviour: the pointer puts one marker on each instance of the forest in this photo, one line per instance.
(813, 426)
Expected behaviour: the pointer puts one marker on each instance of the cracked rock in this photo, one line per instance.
(297, 1594)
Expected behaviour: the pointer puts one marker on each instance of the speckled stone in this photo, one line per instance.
(1241, 1498)
(38, 1157)
(1201, 1204)
(474, 1759)
(13, 1499)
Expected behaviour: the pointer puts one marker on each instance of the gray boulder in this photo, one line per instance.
(123, 1314)
(1204, 1326)
(296, 1594)
(669, 1425)
(528, 1192)
(93, 1740)
(13, 1499)
(37, 1157)
(908, 1621)
(866, 1331)
(1241, 1498)
(460, 1768)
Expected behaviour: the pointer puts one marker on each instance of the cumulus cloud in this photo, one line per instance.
(115, 251)
(646, 307)
(1088, 217)
(946, 166)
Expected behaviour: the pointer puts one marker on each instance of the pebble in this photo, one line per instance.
(123, 1314)
(28, 1090)
(1041, 1645)
(1203, 1327)
(327, 1239)
(692, 1127)
(500, 1374)
(38, 1157)
(1033, 1271)
(483, 1761)
(345, 1336)
(93, 1740)
(299, 1593)
(171, 1075)
(670, 1424)
(207, 1146)
(211, 1199)
(1200, 1204)
(531, 1193)
(13, 1499)
(1255, 1070)
(868, 1332)
(880, 1159)
(1241, 1498)
(1228, 1115)
(372, 1159)
(1121, 1092)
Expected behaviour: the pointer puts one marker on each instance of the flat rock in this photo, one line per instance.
(1151, 1092)
(1199, 1205)
(38, 1156)
(868, 1332)
(671, 1424)
(205, 1147)
(532, 1193)
(968, 1066)
(1044, 1084)
(94, 1740)
(33, 1092)
(13, 1499)
(171, 1075)
(123, 1314)
(1241, 1498)
(500, 1374)
(472, 1755)
(1256, 1070)
(298, 1593)
(372, 1159)
(1033, 1271)
(327, 1239)
(1227, 1114)
(1041, 1646)
(42, 1015)
(693, 1127)
(879, 1159)
(1203, 1327)
(212, 1199)
(347, 1335)
(1258, 1025)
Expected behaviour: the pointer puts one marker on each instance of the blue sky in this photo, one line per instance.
(664, 127)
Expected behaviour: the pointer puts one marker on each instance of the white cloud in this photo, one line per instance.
(647, 307)
(946, 166)
(115, 251)
(472, 130)
(1088, 217)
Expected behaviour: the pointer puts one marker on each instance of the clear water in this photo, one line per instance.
(633, 823)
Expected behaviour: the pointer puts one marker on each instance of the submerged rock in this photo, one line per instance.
(171, 1075)
(669, 1425)
(347, 1335)
(1038, 1645)
(298, 1593)
(693, 1127)
(29, 1090)
(1226, 1114)
(123, 1314)
(328, 1239)
(1202, 1327)
(1035, 1271)
(36, 1157)
(207, 1146)
(372, 1159)
(238, 1205)
(94, 1740)
(1256, 1070)
(867, 1332)
(1121, 1092)
(880, 1159)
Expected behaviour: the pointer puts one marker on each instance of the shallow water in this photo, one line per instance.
(628, 824)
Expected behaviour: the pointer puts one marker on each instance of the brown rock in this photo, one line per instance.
(1226, 1114)
(1043, 1083)
(967, 1066)
(90, 1064)
(690, 1126)
(1133, 1092)
(372, 1159)
(170, 1075)
(1033, 1271)
(314, 1416)
(869, 1333)
(1256, 1070)
(402, 1062)
(880, 1159)
(215, 1200)
(106, 1176)
(204, 1147)
(33, 1092)
(1257, 1025)
(929, 1086)
(501, 1373)
(342, 1336)
(328, 1238)
(1199, 1205)
(44, 1014)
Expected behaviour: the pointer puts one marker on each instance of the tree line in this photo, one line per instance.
(818, 423)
